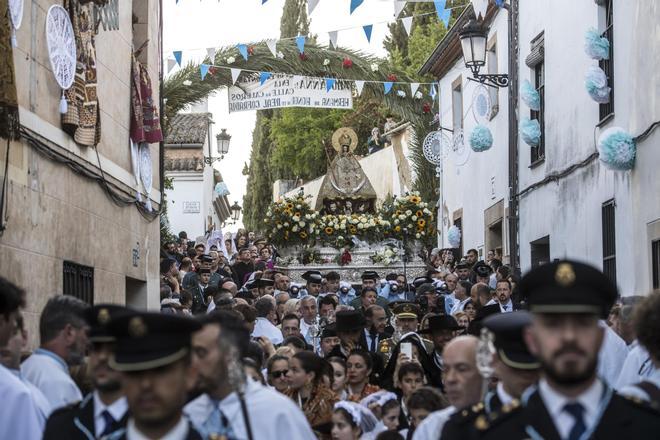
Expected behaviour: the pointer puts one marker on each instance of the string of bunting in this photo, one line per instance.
(235, 72)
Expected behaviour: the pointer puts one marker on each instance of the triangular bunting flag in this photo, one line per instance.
(443, 14)
(263, 77)
(499, 3)
(367, 31)
(387, 85)
(177, 56)
(413, 89)
(204, 69)
(407, 24)
(332, 35)
(234, 75)
(263, 1)
(242, 48)
(359, 85)
(329, 82)
(311, 4)
(398, 7)
(300, 42)
(355, 4)
(480, 7)
(170, 65)
(432, 92)
(210, 52)
(272, 46)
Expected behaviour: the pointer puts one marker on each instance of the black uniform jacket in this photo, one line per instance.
(76, 421)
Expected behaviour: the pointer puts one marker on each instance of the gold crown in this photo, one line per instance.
(103, 317)
(136, 327)
(565, 275)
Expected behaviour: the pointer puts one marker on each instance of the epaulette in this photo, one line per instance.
(649, 406)
(484, 422)
(467, 415)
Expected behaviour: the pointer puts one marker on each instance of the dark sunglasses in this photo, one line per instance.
(278, 374)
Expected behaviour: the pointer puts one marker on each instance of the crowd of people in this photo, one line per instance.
(238, 351)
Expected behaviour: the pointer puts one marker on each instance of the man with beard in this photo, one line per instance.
(503, 297)
(152, 353)
(233, 406)
(374, 328)
(63, 333)
(566, 299)
(243, 267)
(105, 410)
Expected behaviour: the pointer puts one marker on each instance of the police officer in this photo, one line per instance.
(407, 321)
(571, 402)
(514, 366)
(153, 355)
(105, 410)
(313, 286)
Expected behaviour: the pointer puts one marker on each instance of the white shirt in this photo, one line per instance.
(117, 410)
(179, 432)
(504, 397)
(636, 368)
(272, 415)
(459, 306)
(431, 427)
(263, 327)
(509, 306)
(37, 396)
(555, 403)
(304, 328)
(48, 372)
(612, 355)
(633, 391)
(19, 417)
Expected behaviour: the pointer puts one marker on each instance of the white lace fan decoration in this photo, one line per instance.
(481, 105)
(461, 151)
(435, 147)
(16, 15)
(146, 172)
(61, 49)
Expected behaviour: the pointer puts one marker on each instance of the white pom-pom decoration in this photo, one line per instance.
(454, 236)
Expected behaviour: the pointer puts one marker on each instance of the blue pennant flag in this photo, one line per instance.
(263, 77)
(300, 42)
(443, 13)
(388, 86)
(355, 4)
(499, 3)
(367, 31)
(177, 56)
(204, 70)
(329, 82)
(242, 48)
(263, 1)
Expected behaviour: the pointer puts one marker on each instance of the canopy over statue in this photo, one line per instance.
(346, 189)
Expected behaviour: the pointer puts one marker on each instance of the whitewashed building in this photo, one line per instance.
(569, 203)
(198, 198)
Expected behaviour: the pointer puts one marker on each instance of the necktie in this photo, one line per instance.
(218, 424)
(506, 308)
(109, 422)
(374, 336)
(576, 410)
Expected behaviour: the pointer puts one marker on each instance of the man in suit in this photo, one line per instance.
(571, 402)
(374, 328)
(105, 410)
(503, 297)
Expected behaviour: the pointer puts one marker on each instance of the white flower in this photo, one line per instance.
(280, 55)
(326, 62)
(295, 219)
(302, 224)
(231, 60)
(417, 235)
(298, 206)
(426, 211)
(418, 95)
(414, 218)
(374, 67)
(279, 226)
(401, 93)
(340, 238)
(286, 224)
(409, 212)
(410, 225)
(187, 82)
(360, 226)
(402, 217)
(307, 217)
(295, 228)
(396, 222)
(387, 261)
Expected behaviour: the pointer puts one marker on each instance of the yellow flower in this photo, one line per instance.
(303, 234)
(297, 214)
(288, 211)
(421, 223)
(414, 199)
(329, 230)
(419, 214)
(398, 213)
(397, 229)
(289, 205)
(352, 229)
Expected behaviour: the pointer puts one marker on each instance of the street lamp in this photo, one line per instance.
(235, 211)
(473, 42)
(223, 140)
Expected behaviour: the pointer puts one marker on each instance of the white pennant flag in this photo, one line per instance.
(398, 7)
(234, 75)
(413, 89)
(272, 46)
(211, 53)
(333, 39)
(480, 7)
(407, 24)
(170, 65)
(311, 4)
(359, 85)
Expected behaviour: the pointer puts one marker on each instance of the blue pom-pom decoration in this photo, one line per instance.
(596, 46)
(454, 236)
(617, 149)
(530, 96)
(481, 138)
(530, 130)
(595, 81)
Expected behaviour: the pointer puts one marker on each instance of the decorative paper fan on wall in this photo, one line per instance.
(436, 145)
(481, 105)
(61, 49)
(461, 151)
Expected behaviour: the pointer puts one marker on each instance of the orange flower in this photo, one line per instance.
(421, 222)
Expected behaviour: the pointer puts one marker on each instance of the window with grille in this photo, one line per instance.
(538, 152)
(609, 240)
(655, 260)
(606, 110)
(79, 281)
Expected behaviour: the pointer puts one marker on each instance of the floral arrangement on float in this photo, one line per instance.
(386, 256)
(291, 221)
(410, 217)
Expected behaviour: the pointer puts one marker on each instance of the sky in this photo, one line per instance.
(194, 25)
